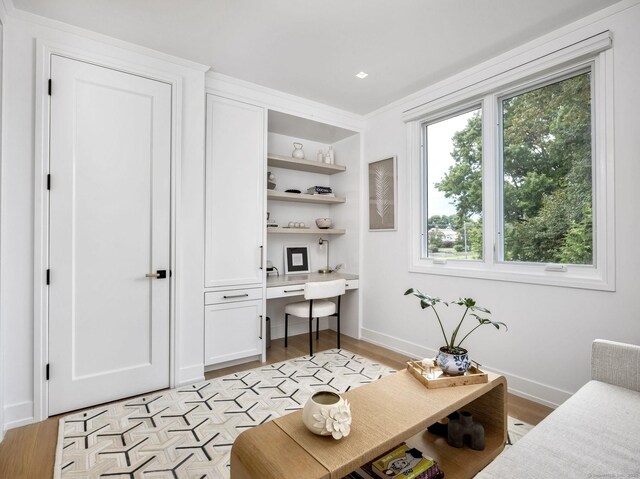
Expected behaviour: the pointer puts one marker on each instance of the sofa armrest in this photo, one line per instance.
(616, 363)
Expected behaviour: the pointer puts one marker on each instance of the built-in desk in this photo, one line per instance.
(293, 284)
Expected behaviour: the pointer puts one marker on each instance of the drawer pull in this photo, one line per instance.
(293, 290)
(236, 296)
(261, 256)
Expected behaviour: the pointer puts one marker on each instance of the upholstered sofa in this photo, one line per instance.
(594, 434)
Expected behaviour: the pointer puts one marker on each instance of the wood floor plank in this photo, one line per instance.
(527, 411)
(28, 452)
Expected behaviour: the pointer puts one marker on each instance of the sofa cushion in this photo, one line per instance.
(595, 433)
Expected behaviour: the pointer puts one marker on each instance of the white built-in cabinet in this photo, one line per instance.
(235, 221)
(234, 193)
(233, 330)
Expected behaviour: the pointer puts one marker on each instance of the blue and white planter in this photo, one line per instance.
(453, 364)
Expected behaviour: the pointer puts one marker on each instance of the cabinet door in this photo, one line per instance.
(234, 193)
(232, 331)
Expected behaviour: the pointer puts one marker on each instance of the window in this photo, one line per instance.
(453, 209)
(547, 211)
(512, 175)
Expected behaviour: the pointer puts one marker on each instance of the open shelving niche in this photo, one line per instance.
(301, 174)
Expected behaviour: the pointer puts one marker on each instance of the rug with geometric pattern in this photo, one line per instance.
(188, 432)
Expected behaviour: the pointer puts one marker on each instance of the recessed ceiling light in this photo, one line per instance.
(362, 75)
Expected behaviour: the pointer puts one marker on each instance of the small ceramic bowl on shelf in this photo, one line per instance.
(323, 223)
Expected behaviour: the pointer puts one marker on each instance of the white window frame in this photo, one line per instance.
(459, 110)
(592, 53)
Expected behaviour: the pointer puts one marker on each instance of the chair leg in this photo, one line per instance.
(338, 322)
(286, 329)
(311, 327)
(317, 328)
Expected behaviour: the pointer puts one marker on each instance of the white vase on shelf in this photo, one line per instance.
(331, 155)
(297, 151)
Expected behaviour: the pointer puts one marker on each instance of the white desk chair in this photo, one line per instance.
(316, 306)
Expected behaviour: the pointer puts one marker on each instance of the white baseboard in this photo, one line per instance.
(190, 374)
(396, 344)
(233, 362)
(16, 415)
(523, 387)
(534, 391)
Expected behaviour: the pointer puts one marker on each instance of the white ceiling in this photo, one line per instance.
(314, 48)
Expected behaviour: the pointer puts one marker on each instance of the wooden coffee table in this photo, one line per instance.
(386, 412)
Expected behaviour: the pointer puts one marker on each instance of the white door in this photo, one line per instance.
(235, 191)
(110, 161)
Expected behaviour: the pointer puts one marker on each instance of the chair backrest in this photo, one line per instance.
(324, 289)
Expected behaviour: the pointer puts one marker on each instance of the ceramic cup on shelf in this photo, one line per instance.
(323, 223)
(327, 414)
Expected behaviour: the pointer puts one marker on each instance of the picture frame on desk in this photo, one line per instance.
(296, 259)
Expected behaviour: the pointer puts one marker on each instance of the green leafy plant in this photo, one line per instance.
(453, 343)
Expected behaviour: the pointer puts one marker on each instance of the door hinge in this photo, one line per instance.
(47, 372)
(49, 87)
(48, 276)
(48, 182)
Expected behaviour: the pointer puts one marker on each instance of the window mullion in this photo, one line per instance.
(498, 140)
(489, 175)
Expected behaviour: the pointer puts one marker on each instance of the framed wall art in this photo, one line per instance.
(383, 195)
(296, 259)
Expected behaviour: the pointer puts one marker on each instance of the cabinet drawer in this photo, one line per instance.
(298, 289)
(217, 297)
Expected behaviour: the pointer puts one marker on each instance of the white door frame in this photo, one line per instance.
(2, 335)
(44, 50)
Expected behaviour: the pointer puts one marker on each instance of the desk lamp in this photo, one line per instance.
(327, 269)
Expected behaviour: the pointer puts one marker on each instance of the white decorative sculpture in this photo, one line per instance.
(428, 366)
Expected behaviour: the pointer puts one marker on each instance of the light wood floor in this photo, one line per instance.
(29, 452)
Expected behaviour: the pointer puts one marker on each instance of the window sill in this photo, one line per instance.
(583, 277)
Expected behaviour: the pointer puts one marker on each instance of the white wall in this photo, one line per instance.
(17, 215)
(546, 351)
(2, 335)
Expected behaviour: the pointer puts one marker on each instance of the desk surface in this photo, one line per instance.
(293, 279)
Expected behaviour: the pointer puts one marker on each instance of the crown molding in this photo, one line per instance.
(5, 6)
(219, 83)
(15, 13)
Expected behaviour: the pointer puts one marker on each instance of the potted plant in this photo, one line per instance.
(452, 358)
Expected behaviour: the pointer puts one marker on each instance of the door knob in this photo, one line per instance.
(160, 274)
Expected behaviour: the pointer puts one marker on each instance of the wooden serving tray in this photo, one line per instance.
(440, 379)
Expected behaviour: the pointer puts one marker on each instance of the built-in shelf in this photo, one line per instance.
(310, 166)
(308, 231)
(304, 198)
